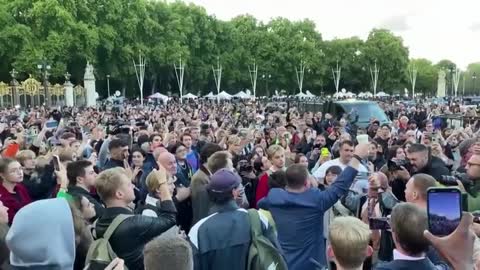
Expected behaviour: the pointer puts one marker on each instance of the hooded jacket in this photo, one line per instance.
(44, 250)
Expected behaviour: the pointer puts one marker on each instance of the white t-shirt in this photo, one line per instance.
(361, 181)
(320, 172)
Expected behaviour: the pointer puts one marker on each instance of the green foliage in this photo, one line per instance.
(112, 33)
(427, 76)
(473, 70)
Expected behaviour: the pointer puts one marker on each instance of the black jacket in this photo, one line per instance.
(78, 191)
(424, 264)
(113, 163)
(436, 168)
(130, 237)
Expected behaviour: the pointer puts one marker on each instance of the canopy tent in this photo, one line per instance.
(382, 94)
(301, 95)
(190, 95)
(309, 94)
(350, 94)
(242, 95)
(224, 95)
(365, 95)
(159, 96)
(339, 95)
(210, 95)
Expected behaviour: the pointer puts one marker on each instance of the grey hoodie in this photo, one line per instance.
(42, 236)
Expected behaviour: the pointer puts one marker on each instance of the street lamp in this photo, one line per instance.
(13, 74)
(43, 67)
(267, 78)
(108, 84)
(474, 77)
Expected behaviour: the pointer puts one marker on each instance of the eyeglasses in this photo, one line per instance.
(472, 164)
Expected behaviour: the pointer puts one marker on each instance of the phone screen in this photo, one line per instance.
(381, 223)
(51, 124)
(444, 210)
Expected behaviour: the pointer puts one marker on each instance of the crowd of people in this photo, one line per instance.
(232, 185)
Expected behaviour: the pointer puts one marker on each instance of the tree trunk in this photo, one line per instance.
(154, 82)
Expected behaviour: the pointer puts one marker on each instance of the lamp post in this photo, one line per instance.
(374, 76)
(474, 77)
(108, 85)
(43, 67)
(267, 78)
(13, 74)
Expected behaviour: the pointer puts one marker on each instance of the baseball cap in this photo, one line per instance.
(224, 180)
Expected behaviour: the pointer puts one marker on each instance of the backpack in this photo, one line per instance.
(100, 253)
(262, 254)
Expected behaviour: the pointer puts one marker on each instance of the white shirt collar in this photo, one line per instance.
(151, 200)
(397, 255)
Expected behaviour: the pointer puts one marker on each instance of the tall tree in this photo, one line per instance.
(391, 56)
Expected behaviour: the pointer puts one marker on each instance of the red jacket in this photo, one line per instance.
(262, 188)
(16, 201)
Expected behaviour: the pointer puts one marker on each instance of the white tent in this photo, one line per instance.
(309, 94)
(242, 95)
(224, 95)
(350, 94)
(210, 95)
(382, 94)
(301, 95)
(339, 95)
(190, 95)
(159, 96)
(365, 95)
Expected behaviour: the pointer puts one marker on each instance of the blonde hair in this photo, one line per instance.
(24, 155)
(108, 182)
(349, 238)
(233, 139)
(273, 149)
(152, 182)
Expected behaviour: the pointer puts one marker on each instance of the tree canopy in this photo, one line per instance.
(110, 34)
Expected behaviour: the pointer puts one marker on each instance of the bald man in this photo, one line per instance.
(168, 161)
(182, 194)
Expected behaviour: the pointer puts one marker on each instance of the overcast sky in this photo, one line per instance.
(433, 29)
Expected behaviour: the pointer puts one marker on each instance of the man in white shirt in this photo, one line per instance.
(346, 154)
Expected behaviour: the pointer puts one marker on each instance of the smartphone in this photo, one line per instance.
(381, 223)
(324, 152)
(56, 163)
(444, 208)
(51, 124)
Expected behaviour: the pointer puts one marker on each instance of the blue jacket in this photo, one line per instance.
(299, 220)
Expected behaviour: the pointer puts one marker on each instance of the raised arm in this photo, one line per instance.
(340, 187)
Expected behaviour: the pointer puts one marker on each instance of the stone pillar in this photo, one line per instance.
(89, 84)
(441, 85)
(69, 94)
